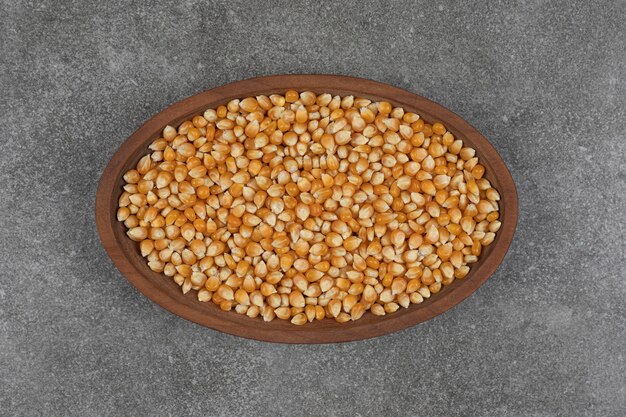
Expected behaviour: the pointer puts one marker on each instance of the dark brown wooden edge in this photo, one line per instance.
(167, 294)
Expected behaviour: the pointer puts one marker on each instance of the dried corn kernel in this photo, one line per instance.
(303, 206)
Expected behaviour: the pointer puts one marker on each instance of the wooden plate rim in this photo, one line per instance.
(167, 294)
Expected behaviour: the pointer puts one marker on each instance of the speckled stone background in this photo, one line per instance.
(544, 81)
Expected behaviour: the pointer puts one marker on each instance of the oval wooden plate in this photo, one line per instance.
(163, 291)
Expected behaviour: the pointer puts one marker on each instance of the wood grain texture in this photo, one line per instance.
(163, 291)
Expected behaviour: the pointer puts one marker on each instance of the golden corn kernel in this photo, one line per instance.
(302, 206)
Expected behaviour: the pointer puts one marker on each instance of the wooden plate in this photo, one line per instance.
(163, 291)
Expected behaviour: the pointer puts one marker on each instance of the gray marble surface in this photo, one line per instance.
(544, 81)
